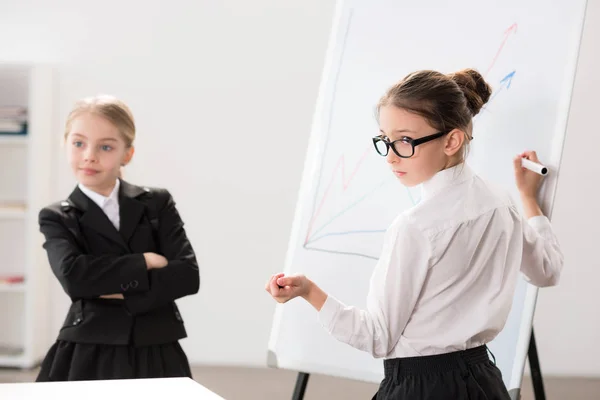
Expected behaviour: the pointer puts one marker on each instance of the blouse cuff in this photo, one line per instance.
(329, 312)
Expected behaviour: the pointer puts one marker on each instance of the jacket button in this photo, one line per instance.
(124, 286)
(134, 284)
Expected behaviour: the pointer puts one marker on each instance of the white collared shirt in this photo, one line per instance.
(110, 204)
(448, 271)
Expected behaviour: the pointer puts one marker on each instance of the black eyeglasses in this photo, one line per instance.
(404, 147)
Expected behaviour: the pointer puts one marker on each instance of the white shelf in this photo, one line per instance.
(12, 211)
(29, 185)
(12, 288)
(12, 140)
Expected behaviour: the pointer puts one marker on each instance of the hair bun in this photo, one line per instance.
(475, 88)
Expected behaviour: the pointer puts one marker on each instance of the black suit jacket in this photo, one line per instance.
(91, 258)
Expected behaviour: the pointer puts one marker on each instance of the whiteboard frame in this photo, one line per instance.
(546, 196)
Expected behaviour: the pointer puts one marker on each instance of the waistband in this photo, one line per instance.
(436, 363)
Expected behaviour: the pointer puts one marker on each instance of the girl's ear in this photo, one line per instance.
(128, 155)
(454, 142)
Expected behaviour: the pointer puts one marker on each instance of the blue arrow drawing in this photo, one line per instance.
(504, 84)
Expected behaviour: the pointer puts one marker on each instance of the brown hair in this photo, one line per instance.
(447, 102)
(109, 107)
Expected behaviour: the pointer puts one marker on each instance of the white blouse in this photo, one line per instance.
(448, 271)
(110, 204)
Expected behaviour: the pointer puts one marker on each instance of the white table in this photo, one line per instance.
(142, 389)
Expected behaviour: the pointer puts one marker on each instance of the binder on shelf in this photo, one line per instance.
(13, 128)
(13, 120)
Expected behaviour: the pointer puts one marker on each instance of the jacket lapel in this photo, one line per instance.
(131, 209)
(94, 218)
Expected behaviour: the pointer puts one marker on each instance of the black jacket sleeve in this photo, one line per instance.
(181, 277)
(86, 276)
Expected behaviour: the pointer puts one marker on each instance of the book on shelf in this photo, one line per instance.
(11, 279)
(13, 112)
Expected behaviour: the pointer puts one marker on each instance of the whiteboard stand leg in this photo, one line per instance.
(536, 372)
(300, 388)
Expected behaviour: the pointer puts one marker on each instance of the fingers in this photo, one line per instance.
(285, 294)
(288, 281)
(281, 287)
(533, 156)
(271, 279)
(273, 288)
(112, 296)
(530, 155)
(161, 262)
(517, 163)
(269, 283)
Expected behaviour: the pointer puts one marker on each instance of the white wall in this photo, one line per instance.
(247, 72)
(223, 93)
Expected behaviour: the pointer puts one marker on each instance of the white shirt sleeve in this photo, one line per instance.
(542, 260)
(394, 289)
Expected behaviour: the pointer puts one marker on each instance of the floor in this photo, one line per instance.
(236, 383)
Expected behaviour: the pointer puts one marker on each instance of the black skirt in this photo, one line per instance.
(68, 361)
(467, 374)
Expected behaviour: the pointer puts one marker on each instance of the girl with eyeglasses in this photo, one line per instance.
(444, 283)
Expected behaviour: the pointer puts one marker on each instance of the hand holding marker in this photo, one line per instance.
(533, 166)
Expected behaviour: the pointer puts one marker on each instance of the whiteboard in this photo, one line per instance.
(526, 49)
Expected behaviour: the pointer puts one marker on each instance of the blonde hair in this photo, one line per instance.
(109, 107)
